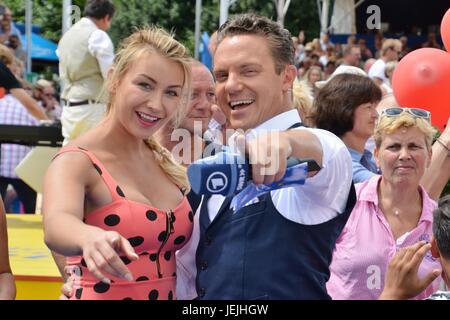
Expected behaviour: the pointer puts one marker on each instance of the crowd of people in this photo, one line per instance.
(25, 104)
(318, 59)
(118, 212)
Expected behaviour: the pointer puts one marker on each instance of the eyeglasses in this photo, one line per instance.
(415, 112)
(393, 49)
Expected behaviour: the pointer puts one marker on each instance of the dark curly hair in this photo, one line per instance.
(99, 9)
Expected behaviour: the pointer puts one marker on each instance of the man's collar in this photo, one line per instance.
(90, 21)
(282, 121)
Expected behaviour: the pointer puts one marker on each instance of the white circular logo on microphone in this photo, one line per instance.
(217, 182)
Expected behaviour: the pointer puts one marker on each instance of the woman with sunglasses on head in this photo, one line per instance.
(346, 106)
(114, 198)
(437, 174)
(393, 210)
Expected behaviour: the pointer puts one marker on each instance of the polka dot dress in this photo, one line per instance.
(154, 234)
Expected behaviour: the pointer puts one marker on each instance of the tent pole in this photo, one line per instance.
(282, 8)
(324, 17)
(224, 5)
(66, 10)
(198, 15)
(347, 13)
(28, 22)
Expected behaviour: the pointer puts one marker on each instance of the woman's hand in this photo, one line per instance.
(67, 288)
(101, 253)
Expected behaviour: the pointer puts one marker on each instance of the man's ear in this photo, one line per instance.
(106, 19)
(434, 248)
(289, 75)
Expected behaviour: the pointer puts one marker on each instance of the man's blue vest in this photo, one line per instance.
(256, 253)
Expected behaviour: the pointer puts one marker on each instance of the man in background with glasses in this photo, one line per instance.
(45, 94)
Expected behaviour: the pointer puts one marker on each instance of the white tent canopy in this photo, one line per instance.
(343, 18)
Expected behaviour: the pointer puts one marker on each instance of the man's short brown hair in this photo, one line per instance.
(280, 41)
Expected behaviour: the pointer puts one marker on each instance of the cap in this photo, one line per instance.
(340, 70)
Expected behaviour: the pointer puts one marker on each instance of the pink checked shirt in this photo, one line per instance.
(366, 245)
(14, 113)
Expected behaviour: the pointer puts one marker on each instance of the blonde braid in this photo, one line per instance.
(175, 171)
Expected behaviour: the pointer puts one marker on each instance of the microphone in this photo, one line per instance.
(228, 174)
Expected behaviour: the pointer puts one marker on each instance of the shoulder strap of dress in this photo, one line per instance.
(116, 191)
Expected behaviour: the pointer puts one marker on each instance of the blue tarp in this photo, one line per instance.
(41, 48)
(205, 55)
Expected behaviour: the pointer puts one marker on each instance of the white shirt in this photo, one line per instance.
(101, 47)
(321, 198)
(377, 70)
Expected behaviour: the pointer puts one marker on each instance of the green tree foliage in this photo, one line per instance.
(175, 15)
(46, 13)
(179, 16)
(303, 15)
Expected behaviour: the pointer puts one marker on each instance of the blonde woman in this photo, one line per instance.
(393, 211)
(114, 200)
(313, 75)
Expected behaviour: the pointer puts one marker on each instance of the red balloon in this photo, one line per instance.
(445, 30)
(422, 80)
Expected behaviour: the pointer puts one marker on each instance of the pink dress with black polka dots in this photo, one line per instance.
(155, 235)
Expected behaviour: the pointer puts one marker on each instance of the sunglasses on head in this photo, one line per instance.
(415, 112)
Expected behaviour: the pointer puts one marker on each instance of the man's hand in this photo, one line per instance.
(402, 281)
(268, 155)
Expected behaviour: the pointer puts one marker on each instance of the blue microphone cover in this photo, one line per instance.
(224, 173)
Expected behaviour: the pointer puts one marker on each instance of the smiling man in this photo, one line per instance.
(279, 245)
(184, 137)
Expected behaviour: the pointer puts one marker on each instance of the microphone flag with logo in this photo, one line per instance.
(229, 174)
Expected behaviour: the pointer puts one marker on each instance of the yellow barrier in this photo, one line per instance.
(37, 277)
